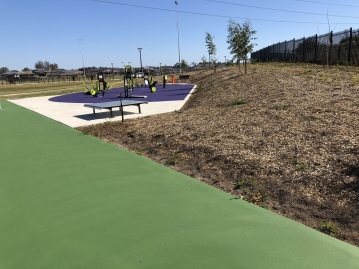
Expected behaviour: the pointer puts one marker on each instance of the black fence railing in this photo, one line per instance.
(334, 48)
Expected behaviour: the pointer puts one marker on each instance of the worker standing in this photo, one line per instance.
(164, 81)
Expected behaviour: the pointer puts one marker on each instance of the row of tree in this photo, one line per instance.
(38, 65)
(46, 65)
(240, 39)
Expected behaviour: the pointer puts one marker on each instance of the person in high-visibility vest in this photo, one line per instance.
(164, 81)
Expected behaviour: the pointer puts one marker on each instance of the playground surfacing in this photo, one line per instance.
(69, 200)
(69, 110)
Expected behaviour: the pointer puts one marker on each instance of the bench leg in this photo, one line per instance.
(111, 112)
(139, 109)
(93, 111)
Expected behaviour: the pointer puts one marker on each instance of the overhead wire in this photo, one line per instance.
(213, 15)
(326, 3)
(280, 10)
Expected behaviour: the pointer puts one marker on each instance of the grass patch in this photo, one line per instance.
(141, 151)
(239, 185)
(236, 103)
(300, 165)
(328, 228)
(309, 118)
(281, 107)
(173, 160)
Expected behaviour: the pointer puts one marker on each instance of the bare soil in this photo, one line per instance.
(283, 136)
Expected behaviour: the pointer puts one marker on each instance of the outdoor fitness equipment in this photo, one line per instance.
(128, 80)
(128, 83)
(96, 86)
(152, 84)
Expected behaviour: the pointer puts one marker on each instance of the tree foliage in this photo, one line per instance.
(204, 61)
(4, 70)
(184, 65)
(46, 65)
(211, 47)
(240, 39)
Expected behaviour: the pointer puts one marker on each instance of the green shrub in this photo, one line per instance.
(328, 228)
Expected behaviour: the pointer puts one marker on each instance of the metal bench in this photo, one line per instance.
(113, 104)
(183, 77)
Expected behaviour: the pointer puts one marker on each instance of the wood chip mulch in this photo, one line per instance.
(283, 136)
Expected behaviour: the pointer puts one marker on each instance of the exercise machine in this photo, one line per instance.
(96, 86)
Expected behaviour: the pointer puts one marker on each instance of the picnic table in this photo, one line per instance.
(113, 104)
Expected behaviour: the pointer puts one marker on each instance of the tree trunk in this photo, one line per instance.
(245, 66)
(209, 61)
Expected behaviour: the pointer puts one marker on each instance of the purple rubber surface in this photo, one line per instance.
(172, 92)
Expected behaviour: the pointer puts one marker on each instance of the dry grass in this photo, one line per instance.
(23, 90)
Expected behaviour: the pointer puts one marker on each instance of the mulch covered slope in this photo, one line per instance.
(284, 137)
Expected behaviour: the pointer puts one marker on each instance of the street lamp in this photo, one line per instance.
(225, 60)
(179, 51)
(139, 49)
(83, 65)
(160, 69)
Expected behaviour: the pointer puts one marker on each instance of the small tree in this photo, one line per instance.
(211, 47)
(214, 62)
(204, 61)
(239, 39)
(184, 65)
(26, 69)
(247, 38)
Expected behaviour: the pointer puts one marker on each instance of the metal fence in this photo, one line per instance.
(334, 48)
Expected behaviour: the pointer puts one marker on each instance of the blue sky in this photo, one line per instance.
(112, 30)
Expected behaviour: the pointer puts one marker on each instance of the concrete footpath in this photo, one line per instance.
(69, 200)
(69, 109)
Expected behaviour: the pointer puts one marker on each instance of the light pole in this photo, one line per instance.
(83, 65)
(160, 69)
(112, 71)
(225, 60)
(140, 49)
(179, 50)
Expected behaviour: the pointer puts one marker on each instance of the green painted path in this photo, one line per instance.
(69, 200)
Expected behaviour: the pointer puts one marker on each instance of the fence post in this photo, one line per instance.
(350, 44)
(273, 53)
(315, 48)
(339, 48)
(303, 59)
(330, 47)
(293, 49)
